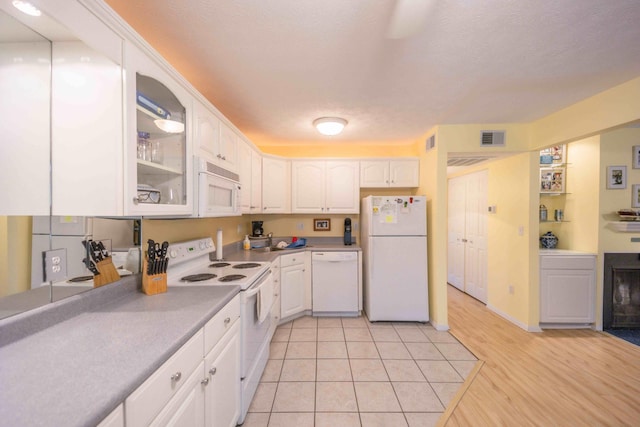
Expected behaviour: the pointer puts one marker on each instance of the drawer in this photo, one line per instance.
(291, 259)
(221, 323)
(568, 262)
(147, 401)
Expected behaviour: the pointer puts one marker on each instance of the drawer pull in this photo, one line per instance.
(213, 371)
(227, 320)
(205, 381)
(176, 377)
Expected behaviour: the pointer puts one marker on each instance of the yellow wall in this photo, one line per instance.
(341, 150)
(613, 107)
(15, 254)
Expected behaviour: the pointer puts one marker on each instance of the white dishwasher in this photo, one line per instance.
(335, 282)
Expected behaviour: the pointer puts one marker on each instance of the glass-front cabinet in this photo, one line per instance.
(159, 180)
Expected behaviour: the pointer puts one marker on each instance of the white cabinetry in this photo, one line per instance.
(143, 405)
(153, 97)
(389, 173)
(190, 391)
(250, 166)
(222, 379)
(214, 140)
(567, 288)
(295, 297)
(86, 123)
(325, 187)
(276, 185)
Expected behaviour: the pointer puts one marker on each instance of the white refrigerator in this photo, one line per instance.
(394, 246)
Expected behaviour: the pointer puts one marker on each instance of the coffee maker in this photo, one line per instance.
(347, 231)
(256, 229)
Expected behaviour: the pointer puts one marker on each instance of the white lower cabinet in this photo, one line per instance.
(222, 381)
(191, 389)
(295, 292)
(567, 289)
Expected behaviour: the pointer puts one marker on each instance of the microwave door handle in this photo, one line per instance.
(252, 291)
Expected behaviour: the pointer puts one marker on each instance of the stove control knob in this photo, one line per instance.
(202, 245)
(173, 253)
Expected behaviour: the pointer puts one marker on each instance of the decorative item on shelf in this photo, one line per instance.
(558, 215)
(543, 213)
(154, 268)
(616, 177)
(549, 240)
(636, 156)
(629, 215)
(552, 180)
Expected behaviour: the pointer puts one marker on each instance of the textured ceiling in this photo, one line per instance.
(273, 66)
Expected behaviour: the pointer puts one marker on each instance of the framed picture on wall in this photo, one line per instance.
(552, 180)
(321, 224)
(616, 177)
(636, 156)
(555, 155)
(635, 196)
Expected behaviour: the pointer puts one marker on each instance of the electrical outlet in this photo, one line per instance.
(300, 226)
(55, 265)
(521, 230)
(511, 289)
(239, 229)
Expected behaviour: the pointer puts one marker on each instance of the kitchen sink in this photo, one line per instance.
(268, 249)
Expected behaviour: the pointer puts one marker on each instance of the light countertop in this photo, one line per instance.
(75, 372)
(563, 252)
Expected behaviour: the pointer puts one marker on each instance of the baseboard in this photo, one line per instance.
(439, 327)
(513, 320)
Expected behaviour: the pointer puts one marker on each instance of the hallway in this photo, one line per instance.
(553, 378)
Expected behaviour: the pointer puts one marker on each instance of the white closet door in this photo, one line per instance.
(456, 203)
(467, 234)
(476, 236)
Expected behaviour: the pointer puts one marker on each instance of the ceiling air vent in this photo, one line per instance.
(492, 138)
(431, 142)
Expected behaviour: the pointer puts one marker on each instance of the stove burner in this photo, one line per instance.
(80, 279)
(247, 265)
(198, 277)
(231, 278)
(219, 264)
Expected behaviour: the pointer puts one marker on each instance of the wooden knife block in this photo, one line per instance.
(108, 273)
(153, 284)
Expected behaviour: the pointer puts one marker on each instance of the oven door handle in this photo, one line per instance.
(252, 291)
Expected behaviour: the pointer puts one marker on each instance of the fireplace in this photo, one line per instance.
(621, 308)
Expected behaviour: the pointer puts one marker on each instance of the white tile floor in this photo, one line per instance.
(344, 372)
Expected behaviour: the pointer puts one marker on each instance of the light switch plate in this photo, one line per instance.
(55, 265)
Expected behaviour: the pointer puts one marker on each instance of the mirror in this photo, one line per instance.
(25, 120)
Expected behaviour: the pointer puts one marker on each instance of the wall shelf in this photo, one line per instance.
(626, 226)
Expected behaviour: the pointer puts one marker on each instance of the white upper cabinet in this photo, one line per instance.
(228, 150)
(276, 185)
(250, 167)
(206, 133)
(321, 186)
(389, 173)
(159, 160)
(86, 146)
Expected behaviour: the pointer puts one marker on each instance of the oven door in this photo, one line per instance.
(255, 334)
(218, 196)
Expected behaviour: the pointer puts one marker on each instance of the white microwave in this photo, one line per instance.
(218, 191)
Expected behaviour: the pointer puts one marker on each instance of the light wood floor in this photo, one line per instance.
(553, 378)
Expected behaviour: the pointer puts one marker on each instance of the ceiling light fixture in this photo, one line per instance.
(26, 7)
(330, 125)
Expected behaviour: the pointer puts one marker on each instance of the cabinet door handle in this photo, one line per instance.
(219, 156)
(213, 371)
(464, 240)
(176, 377)
(227, 320)
(205, 381)
(224, 157)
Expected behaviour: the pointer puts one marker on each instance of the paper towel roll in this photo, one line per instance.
(219, 244)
